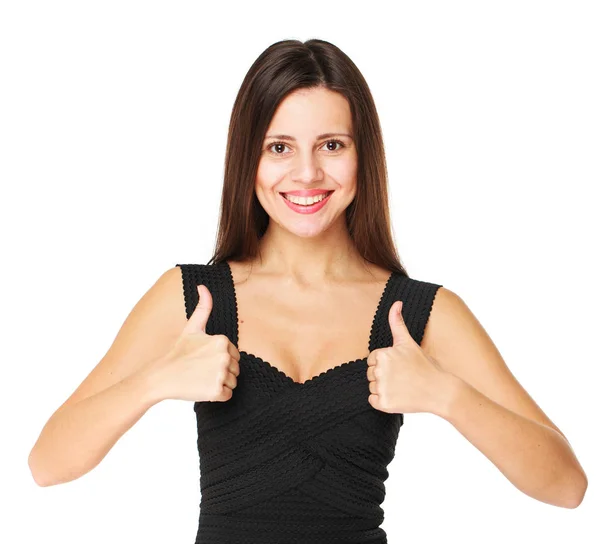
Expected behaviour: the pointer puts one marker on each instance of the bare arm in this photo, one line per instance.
(116, 393)
(487, 404)
(78, 436)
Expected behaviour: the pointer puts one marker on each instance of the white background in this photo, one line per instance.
(113, 123)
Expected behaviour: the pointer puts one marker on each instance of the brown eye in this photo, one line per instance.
(278, 146)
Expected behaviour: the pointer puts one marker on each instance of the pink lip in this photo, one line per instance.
(313, 208)
(306, 192)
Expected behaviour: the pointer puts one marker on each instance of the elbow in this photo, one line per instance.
(579, 491)
(35, 473)
(573, 488)
(38, 475)
(42, 477)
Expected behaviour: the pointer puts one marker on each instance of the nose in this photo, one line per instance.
(306, 168)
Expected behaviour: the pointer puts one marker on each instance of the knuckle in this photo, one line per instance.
(224, 359)
(221, 341)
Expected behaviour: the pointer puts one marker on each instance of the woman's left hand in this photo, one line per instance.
(403, 378)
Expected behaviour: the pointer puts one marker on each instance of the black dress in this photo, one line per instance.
(287, 462)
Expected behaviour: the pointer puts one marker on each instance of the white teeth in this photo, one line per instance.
(305, 201)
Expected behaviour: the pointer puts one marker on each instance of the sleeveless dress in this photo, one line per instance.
(288, 462)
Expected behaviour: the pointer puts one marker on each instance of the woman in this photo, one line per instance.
(304, 341)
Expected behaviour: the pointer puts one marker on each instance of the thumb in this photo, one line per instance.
(400, 333)
(199, 318)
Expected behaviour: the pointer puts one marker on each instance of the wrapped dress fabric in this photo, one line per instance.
(288, 462)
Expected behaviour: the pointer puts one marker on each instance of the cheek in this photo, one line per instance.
(270, 171)
(344, 173)
(266, 179)
(264, 183)
(349, 172)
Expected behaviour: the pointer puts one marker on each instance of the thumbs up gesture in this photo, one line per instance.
(403, 378)
(199, 367)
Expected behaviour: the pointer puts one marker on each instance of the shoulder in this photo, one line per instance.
(154, 323)
(448, 313)
(166, 298)
(170, 296)
(458, 340)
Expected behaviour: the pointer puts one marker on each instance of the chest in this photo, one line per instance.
(305, 331)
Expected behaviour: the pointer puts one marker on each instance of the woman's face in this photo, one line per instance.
(308, 149)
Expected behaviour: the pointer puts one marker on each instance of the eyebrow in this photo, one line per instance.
(319, 137)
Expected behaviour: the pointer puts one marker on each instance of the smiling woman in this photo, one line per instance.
(303, 341)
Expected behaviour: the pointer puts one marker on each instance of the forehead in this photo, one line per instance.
(312, 111)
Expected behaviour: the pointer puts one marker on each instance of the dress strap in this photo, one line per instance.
(417, 297)
(222, 319)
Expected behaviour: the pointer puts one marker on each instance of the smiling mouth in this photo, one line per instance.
(302, 201)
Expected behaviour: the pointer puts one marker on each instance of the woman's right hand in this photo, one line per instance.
(199, 367)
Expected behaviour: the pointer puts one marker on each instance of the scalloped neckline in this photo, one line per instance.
(324, 373)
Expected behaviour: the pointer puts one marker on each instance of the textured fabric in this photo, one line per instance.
(287, 462)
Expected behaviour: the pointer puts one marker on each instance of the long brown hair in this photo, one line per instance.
(283, 67)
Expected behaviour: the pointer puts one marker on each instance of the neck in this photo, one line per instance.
(330, 256)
